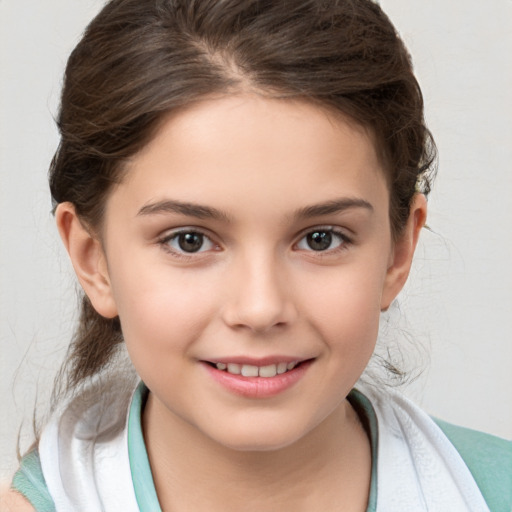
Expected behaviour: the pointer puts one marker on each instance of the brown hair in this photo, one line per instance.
(140, 59)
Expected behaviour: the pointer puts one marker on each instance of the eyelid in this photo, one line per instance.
(344, 232)
(168, 235)
(337, 231)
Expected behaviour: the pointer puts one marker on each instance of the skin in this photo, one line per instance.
(257, 289)
(12, 501)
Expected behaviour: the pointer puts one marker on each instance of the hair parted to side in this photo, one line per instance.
(138, 60)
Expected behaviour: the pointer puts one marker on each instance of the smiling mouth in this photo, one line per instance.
(258, 381)
(249, 370)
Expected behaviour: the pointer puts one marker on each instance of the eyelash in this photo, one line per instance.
(343, 239)
(164, 242)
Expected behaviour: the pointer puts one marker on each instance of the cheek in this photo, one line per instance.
(161, 311)
(345, 309)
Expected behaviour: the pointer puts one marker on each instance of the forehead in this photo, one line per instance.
(264, 151)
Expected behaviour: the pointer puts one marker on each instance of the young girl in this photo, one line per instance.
(240, 185)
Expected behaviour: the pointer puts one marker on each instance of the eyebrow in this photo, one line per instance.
(183, 208)
(207, 212)
(333, 206)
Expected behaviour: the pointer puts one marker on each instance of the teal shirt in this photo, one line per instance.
(489, 459)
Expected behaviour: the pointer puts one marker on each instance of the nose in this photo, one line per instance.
(260, 296)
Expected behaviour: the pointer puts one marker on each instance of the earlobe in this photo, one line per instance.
(88, 259)
(403, 251)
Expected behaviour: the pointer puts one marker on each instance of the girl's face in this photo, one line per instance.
(251, 235)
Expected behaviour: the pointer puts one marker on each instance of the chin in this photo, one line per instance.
(261, 436)
(261, 444)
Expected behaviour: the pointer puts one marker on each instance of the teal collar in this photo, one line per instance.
(139, 463)
(368, 418)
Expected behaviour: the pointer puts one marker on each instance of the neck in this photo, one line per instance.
(332, 463)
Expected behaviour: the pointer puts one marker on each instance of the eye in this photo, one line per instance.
(320, 240)
(188, 242)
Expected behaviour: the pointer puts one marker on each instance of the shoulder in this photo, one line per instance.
(13, 501)
(28, 487)
(489, 459)
(480, 450)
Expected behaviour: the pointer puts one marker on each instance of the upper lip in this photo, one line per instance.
(260, 361)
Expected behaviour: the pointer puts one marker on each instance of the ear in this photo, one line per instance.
(88, 259)
(403, 251)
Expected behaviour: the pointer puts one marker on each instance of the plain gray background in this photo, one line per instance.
(458, 304)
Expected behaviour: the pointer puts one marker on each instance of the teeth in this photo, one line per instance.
(281, 368)
(233, 368)
(249, 370)
(268, 371)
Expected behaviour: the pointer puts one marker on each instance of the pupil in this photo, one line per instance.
(190, 242)
(319, 240)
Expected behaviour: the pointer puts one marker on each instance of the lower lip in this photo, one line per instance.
(258, 387)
